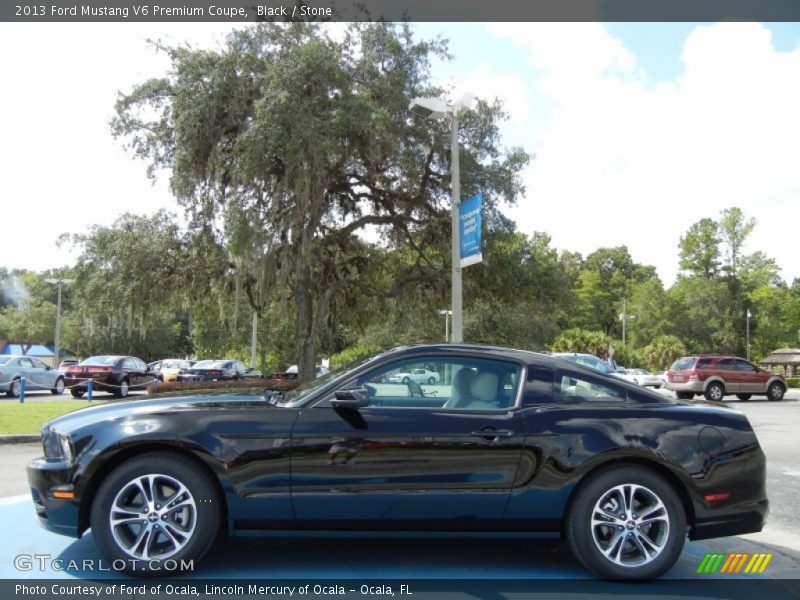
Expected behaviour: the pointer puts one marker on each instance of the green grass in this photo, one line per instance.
(16, 418)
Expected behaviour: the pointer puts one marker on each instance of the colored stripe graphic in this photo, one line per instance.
(734, 562)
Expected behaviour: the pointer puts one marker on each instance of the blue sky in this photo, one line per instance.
(639, 130)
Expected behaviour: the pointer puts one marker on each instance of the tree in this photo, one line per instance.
(734, 229)
(581, 340)
(288, 143)
(663, 351)
(699, 249)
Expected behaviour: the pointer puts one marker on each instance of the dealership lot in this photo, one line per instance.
(405, 558)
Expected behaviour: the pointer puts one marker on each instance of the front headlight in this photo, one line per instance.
(56, 445)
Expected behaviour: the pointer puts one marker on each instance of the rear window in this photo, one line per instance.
(101, 360)
(684, 363)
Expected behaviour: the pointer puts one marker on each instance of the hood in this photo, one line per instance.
(119, 410)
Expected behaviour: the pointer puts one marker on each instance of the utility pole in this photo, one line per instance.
(56, 343)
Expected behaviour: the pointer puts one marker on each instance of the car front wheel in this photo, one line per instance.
(626, 523)
(76, 393)
(122, 390)
(715, 392)
(59, 389)
(154, 508)
(775, 391)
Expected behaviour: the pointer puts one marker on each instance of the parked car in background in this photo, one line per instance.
(644, 377)
(38, 376)
(115, 374)
(168, 369)
(67, 363)
(717, 376)
(218, 370)
(588, 360)
(522, 445)
(415, 375)
(292, 372)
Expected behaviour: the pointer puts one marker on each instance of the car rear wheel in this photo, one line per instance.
(154, 508)
(76, 393)
(122, 390)
(431, 380)
(626, 523)
(715, 391)
(59, 389)
(406, 380)
(743, 397)
(685, 395)
(775, 391)
(13, 389)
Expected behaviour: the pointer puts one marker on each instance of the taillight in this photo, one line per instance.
(74, 370)
(693, 374)
(100, 369)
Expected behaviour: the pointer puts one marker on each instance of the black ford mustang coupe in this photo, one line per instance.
(504, 442)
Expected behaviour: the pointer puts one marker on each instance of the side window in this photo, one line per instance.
(26, 363)
(577, 387)
(241, 367)
(37, 364)
(727, 364)
(743, 365)
(702, 363)
(129, 363)
(444, 383)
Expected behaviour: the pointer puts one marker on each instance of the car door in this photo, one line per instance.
(44, 377)
(752, 381)
(726, 368)
(413, 458)
(25, 366)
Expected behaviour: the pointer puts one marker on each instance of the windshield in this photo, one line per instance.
(298, 395)
(101, 360)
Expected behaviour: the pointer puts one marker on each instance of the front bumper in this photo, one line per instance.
(54, 514)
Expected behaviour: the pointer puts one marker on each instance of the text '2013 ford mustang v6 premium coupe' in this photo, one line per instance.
(502, 442)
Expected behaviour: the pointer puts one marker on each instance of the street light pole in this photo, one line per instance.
(447, 314)
(435, 108)
(625, 316)
(253, 340)
(748, 333)
(455, 201)
(57, 341)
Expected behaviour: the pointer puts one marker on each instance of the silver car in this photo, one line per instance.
(38, 376)
(644, 377)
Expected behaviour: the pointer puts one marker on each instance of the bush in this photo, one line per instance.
(351, 354)
(793, 382)
(255, 385)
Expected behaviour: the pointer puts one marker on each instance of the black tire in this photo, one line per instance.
(715, 391)
(202, 518)
(123, 389)
(13, 389)
(685, 395)
(59, 389)
(667, 534)
(743, 397)
(658, 387)
(76, 393)
(431, 380)
(775, 391)
(406, 380)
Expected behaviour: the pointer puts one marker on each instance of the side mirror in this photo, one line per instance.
(354, 398)
(272, 396)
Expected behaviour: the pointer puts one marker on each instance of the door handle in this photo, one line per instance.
(491, 434)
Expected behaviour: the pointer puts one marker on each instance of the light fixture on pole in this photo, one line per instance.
(436, 108)
(749, 315)
(624, 316)
(58, 282)
(447, 314)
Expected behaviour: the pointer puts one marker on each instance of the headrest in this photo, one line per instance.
(484, 388)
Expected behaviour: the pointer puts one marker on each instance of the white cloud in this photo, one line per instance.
(487, 84)
(62, 170)
(623, 160)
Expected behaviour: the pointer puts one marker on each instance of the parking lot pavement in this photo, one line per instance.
(321, 558)
(775, 423)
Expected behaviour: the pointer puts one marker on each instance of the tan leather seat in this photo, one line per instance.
(484, 388)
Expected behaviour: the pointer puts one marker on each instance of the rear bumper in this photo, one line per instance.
(748, 518)
(58, 516)
(695, 386)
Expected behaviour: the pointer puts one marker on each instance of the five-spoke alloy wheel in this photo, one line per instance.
(626, 522)
(154, 508)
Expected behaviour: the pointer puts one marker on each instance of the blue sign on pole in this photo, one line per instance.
(470, 226)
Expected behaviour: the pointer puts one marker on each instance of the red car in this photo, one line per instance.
(717, 376)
